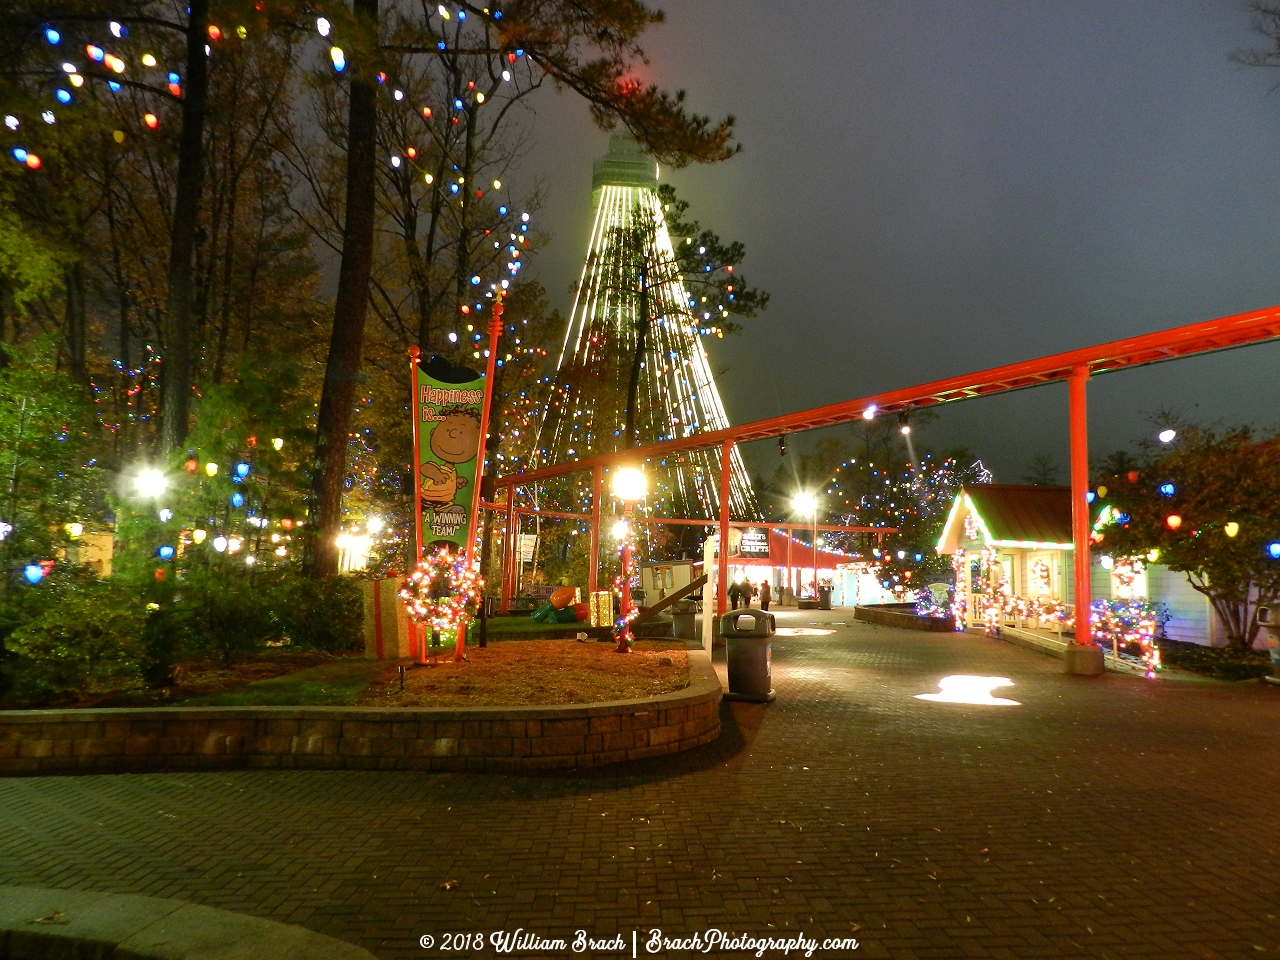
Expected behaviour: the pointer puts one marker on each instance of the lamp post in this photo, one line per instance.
(629, 487)
(807, 503)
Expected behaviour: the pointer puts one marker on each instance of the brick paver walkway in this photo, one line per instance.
(1107, 817)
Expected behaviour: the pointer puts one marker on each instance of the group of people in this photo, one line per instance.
(746, 591)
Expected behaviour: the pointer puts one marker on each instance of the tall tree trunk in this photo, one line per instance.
(426, 298)
(228, 261)
(178, 361)
(464, 214)
(347, 339)
(4, 302)
(73, 278)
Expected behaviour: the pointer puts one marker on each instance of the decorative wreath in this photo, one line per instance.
(442, 590)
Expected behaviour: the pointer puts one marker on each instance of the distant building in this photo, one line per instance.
(1025, 532)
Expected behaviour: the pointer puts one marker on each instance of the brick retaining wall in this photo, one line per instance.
(499, 739)
(903, 615)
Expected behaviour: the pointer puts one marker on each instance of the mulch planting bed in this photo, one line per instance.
(537, 672)
(202, 678)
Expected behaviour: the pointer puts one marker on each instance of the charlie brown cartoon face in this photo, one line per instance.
(456, 438)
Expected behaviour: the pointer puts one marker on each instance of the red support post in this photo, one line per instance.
(1079, 500)
(722, 567)
(509, 550)
(791, 584)
(495, 332)
(624, 635)
(593, 564)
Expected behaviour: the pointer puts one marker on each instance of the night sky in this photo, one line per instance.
(931, 188)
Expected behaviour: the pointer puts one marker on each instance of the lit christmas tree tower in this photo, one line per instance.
(633, 370)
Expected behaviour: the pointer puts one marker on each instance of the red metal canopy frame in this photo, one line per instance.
(1073, 366)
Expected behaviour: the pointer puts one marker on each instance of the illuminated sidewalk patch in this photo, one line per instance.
(962, 688)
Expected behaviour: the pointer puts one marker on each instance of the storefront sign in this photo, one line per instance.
(755, 543)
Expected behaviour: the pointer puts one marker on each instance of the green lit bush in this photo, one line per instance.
(88, 642)
(319, 615)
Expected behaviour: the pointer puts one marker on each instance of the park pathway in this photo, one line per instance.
(1104, 817)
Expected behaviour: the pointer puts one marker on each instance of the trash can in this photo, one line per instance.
(684, 615)
(824, 598)
(748, 637)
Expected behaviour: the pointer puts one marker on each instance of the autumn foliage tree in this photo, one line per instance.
(1207, 507)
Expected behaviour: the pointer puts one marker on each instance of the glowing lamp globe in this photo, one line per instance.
(870, 412)
(33, 572)
(165, 552)
(805, 504)
(621, 530)
(374, 525)
(237, 500)
(198, 535)
(277, 443)
(191, 466)
(242, 470)
(287, 523)
(1166, 436)
(1274, 550)
(629, 484)
(1231, 529)
(1173, 521)
(219, 543)
(211, 469)
(150, 483)
(74, 529)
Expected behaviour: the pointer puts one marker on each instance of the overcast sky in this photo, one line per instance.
(931, 188)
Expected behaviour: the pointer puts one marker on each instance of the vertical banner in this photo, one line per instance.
(447, 408)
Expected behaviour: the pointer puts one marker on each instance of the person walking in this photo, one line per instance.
(748, 590)
(734, 592)
(766, 595)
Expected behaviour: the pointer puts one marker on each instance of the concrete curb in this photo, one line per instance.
(75, 925)
(1058, 648)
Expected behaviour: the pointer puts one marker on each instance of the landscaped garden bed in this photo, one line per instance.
(502, 674)
(1221, 663)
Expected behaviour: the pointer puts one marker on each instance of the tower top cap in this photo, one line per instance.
(625, 165)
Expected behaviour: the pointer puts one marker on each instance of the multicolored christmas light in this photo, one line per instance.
(442, 591)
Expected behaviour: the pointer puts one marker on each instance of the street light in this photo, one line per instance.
(629, 486)
(150, 482)
(806, 503)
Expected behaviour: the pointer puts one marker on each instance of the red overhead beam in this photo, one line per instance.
(1196, 338)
